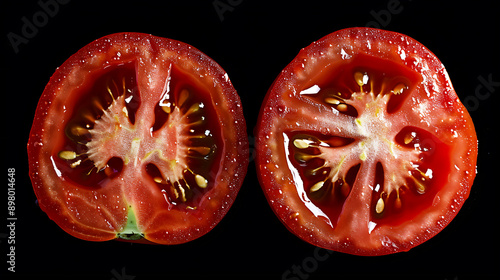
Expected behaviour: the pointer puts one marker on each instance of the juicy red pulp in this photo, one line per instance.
(205, 144)
(330, 198)
(118, 80)
(138, 137)
(358, 144)
(434, 161)
(95, 95)
(384, 75)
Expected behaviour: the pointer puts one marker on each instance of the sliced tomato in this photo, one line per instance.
(363, 146)
(138, 137)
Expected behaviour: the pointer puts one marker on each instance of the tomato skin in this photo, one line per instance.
(130, 196)
(286, 111)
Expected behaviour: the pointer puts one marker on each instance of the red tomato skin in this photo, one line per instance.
(279, 191)
(109, 51)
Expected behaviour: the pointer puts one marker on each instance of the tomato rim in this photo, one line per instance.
(344, 44)
(119, 48)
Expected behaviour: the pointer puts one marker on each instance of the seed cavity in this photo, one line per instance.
(191, 118)
(180, 185)
(102, 116)
(323, 174)
(324, 170)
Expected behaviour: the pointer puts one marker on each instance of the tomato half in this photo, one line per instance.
(138, 137)
(363, 146)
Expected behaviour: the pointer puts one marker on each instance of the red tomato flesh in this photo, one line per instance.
(138, 137)
(362, 144)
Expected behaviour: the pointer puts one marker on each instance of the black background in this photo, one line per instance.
(253, 42)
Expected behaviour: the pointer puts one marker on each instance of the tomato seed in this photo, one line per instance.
(166, 107)
(419, 185)
(379, 208)
(200, 181)
(76, 163)
(301, 143)
(79, 131)
(304, 157)
(332, 100)
(409, 137)
(399, 88)
(317, 186)
(342, 107)
(294, 215)
(67, 155)
(194, 108)
(158, 180)
(361, 78)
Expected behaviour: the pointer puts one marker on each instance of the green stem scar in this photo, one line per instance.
(130, 231)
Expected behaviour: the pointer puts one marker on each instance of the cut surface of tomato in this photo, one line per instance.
(138, 137)
(362, 144)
